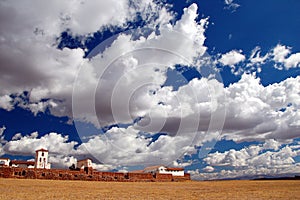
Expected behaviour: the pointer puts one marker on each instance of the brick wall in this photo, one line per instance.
(164, 177)
(89, 175)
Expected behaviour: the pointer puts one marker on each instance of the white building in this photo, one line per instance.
(81, 164)
(41, 159)
(165, 170)
(4, 162)
(22, 164)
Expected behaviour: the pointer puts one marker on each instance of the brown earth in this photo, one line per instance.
(57, 189)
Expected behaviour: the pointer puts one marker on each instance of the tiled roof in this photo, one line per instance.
(174, 169)
(42, 149)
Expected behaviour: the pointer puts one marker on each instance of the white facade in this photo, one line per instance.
(41, 159)
(4, 161)
(164, 170)
(81, 164)
(173, 171)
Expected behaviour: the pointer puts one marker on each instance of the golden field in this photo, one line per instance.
(53, 189)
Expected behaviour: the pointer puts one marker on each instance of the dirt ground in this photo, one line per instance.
(51, 189)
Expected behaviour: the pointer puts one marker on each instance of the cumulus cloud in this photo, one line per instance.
(282, 56)
(6, 102)
(256, 160)
(26, 145)
(30, 32)
(61, 161)
(280, 53)
(253, 113)
(256, 112)
(130, 73)
(232, 58)
(247, 173)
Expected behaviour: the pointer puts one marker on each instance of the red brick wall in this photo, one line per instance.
(164, 177)
(182, 178)
(140, 177)
(61, 174)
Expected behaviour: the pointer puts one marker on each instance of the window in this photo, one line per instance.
(42, 153)
(40, 159)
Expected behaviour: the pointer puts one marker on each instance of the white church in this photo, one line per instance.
(41, 159)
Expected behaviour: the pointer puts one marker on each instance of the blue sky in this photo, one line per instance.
(211, 86)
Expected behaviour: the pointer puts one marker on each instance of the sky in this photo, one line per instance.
(212, 86)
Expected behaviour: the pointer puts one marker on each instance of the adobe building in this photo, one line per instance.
(85, 165)
(81, 164)
(41, 169)
(164, 170)
(22, 163)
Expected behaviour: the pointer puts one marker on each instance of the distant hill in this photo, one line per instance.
(279, 178)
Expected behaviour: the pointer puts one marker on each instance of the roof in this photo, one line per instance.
(153, 168)
(42, 149)
(24, 162)
(174, 169)
(4, 159)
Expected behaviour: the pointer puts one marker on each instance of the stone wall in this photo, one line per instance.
(87, 174)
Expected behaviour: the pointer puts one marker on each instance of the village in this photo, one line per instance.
(83, 170)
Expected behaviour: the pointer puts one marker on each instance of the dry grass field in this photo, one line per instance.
(51, 189)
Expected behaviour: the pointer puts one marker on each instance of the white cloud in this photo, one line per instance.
(293, 61)
(254, 111)
(104, 167)
(6, 102)
(247, 173)
(282, 55)
(272, 144)
(2, 140)
(232, 58)
(251, 161)
(230, 5)
(124, 86)
(208, 169)
(49, 73)
(80, 17)
(255, 57)
(26, 145)
(126, 147)
(61, 161)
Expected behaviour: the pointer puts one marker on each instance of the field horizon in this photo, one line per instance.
(225, 189)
